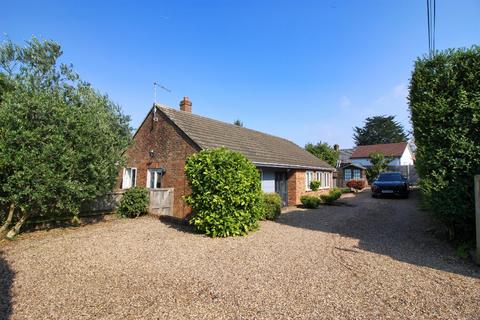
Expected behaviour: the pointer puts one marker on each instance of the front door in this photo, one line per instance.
(281, 186)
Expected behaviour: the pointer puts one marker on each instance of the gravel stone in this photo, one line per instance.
(364, 259)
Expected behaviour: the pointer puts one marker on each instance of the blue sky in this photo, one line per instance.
(308, 71)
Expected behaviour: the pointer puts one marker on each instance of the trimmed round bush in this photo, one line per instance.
(226, 196)
(134, 202)
(332, 196)
(310, 202)
(272, 203)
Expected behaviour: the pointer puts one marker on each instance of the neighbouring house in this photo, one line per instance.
(354, 162)
(400, 154)
(165, 139)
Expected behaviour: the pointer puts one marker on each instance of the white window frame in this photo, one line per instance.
(308, 179)
(328, 180)
(149, 176)
(318, 176)
(130, 183)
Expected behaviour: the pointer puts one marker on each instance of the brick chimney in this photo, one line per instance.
(186, 105)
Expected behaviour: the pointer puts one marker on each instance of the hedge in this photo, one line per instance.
(445, 110)
(332, 196)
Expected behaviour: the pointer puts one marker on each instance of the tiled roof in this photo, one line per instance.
(388, 150)
(260, 148)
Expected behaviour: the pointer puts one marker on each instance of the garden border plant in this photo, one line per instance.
(226, 196)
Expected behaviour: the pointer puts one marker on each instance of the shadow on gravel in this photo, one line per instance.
(6, 281)
(392, 227)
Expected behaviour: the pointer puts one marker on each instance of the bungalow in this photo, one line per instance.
(399, 154)
(166, 137)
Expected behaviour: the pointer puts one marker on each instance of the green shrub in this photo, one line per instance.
(272, 205)
(310, 202)
(226, 195)
(445, 112)
(346, 190)
(134, 202)
(314, 185)
(333, 195)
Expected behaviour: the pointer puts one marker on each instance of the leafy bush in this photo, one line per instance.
(314, 185)
(333, 195)
(134, 202)
(378, 164)
(445, 109)
(272, 205)
(310, 202)
(357, 184)
(346, 190)
(226, 195)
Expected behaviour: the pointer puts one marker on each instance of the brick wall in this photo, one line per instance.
(171, 148)
(296, 187)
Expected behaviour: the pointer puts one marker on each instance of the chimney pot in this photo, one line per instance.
(186, 105)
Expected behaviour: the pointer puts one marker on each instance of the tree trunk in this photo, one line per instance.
(16, 229)
(8, 222)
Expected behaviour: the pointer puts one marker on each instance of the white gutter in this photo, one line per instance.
(289, 166)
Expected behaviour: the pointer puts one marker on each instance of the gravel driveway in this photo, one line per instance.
(368, 259)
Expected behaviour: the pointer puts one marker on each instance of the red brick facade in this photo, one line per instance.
(296, 187)
(160, 144)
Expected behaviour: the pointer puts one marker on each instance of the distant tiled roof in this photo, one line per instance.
(345, 155)
(260, 148)
(388, 150)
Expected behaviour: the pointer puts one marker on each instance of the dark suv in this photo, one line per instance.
(390, 183)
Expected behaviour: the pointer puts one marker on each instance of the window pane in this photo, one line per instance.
(158, 180)
(134, 177)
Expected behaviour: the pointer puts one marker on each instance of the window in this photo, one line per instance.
(328, 179)
(356, 174)
(325, 181)
(318, 176)
(308, 179)
(154, 178)
(129, 178)
(347, 173)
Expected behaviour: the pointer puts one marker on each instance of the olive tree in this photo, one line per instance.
(60, 140)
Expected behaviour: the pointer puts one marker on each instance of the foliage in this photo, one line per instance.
(346, 190)
(378, 163)
(272, 203)
(314, 185)
(60, 140)
(445, 109)
(357, 184)
(134, 202)
(310, 202)
(332, 196)
(238, 122)
(379, 129)
(324, 152)
(226, 196)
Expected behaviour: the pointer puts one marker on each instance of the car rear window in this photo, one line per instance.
(390, 177)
